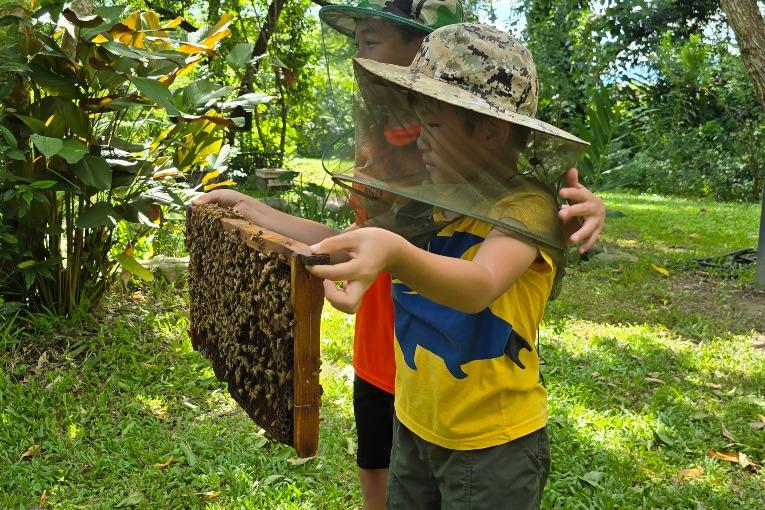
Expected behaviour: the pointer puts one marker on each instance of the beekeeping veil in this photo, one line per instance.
(491, 80)
(400, 24)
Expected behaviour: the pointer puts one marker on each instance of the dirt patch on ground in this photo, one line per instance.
(715, 296)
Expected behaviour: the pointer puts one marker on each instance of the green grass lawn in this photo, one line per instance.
(645, 373)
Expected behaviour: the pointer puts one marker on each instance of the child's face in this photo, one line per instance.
(450, 152)
(379, 40)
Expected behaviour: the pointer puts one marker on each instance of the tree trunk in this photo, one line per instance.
(746, 20)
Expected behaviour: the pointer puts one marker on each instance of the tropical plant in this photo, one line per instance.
(100, 123)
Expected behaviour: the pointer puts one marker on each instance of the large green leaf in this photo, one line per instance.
(155, 91)
(73, 151)
(94, 171)
(76, 118)
(97, 215)
(123, 50)
(36, 125)
(47, 146)
(248, 101)
(132, 266)
(240, 55)
(202, 93)
(64, 86)
(10, 140)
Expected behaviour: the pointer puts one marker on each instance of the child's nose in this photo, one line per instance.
(423, 141)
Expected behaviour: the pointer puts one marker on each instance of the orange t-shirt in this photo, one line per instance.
(373, 357)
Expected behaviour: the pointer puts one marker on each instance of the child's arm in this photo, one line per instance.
(467, 286)
(583, 219)
(299, 229)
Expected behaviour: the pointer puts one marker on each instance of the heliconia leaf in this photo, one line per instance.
(10, 140)
(47, 146)
(210, 176)
(248, 101)
(219, 184)
(132, 266)
(73, 151)
(172, 24)
(98, 215)
(156, 92)
(43, 184)
(81, 21)
(94, 171)
(163, 174)
(36, 125)
(240, 55)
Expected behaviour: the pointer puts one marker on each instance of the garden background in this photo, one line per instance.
(113, 115)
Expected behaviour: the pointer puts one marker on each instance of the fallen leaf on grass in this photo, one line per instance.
(690, 473)
(163, 465)
(191, 459)
(300, 462)
(694, 235)
(592, 478)
(735, 457)
(44, 498)
(132, 500)
(713, 386)
(33, 451)
(728, 434)
(209, 495)
(758, 425)
(654, 380)
(661, 270)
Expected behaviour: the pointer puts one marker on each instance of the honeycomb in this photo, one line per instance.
(242, 318)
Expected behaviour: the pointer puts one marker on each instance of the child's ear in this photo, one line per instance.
(496, 133)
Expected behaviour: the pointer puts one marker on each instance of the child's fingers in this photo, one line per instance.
(577, 195)
(341, 242)
(571, 179)
(346, 299)
(590, 239)
(343, 271)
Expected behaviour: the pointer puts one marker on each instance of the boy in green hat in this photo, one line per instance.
(471, 413)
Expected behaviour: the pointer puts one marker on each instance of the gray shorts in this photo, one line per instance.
(427, 476)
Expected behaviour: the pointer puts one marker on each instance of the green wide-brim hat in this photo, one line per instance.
(424, 15)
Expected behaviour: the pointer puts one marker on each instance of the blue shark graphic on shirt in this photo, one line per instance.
(456, 337)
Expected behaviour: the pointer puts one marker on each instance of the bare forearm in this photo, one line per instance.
(299, 229)
(456, 283)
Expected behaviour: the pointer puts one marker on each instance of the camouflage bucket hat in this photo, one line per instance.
(426, 15)
(472, 66)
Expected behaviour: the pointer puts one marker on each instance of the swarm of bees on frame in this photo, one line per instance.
(242, 318)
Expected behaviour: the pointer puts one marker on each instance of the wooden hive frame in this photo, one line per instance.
(306, 297)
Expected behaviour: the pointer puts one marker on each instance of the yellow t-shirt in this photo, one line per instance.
(456, 384)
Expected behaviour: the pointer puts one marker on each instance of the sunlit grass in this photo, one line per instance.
(645, 373)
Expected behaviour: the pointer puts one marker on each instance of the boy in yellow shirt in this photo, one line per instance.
(470, 427)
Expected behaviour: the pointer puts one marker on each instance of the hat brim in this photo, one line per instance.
(419, 82)
(343, 18)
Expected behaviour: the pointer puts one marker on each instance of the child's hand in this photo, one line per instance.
(239, 202)
(371, 250)
(583, 205)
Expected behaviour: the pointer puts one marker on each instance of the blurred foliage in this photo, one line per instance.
(101, 123)
(658, 88)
